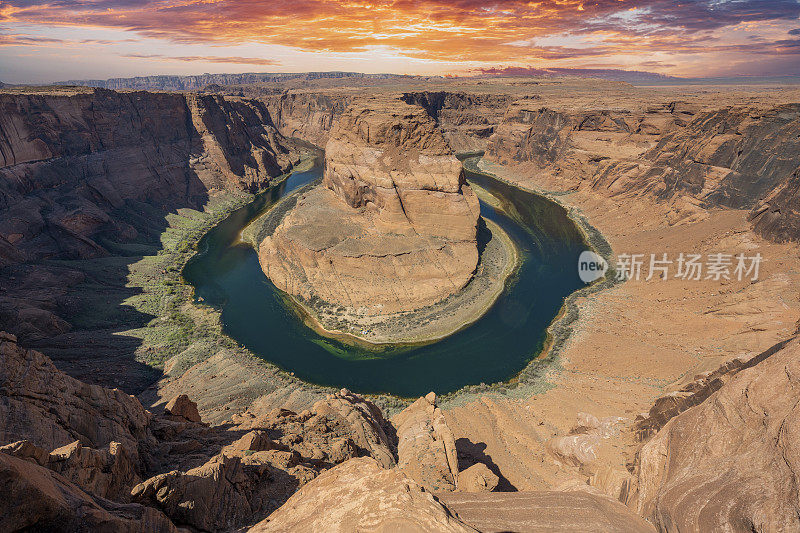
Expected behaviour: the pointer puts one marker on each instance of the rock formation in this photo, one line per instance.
(83, 173)
(37, 499)
(426, 449)
(467, 120)
(308, 116)
(67, 162)
(96, 454)
(359, 495)
(392, 228)
(732, 462)
(50, 409)
(690, 158)
(543, 512)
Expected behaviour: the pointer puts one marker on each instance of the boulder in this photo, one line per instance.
(183, 407)
(360, 495)
(477, 478)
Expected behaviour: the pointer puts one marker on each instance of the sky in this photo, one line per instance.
(54, 40)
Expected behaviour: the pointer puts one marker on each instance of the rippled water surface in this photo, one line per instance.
(226, 274)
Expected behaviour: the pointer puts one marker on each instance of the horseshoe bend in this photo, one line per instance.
(349, 302)
(393, 228)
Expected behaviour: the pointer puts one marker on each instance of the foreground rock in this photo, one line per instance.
(50, 409)
(37, 499)
(393, 228)
(359, 495)
(732, 462)
(280, 452)
(108, 457)
(544, 512)
(426, 449)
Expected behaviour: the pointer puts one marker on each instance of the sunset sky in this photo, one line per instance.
(55, 40)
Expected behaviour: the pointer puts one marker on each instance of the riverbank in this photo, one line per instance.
(628, 344)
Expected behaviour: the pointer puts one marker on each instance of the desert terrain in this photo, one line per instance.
(657, 404)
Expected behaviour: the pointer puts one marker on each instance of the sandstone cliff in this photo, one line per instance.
(730, 463)
(691, 159)
(467, 120)
(72, 167)
(307, 115)
(392, 228)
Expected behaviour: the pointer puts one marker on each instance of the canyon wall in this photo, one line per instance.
(307, 115)
(466, 120)
(71, 166)
(393, 228)
(688, 158)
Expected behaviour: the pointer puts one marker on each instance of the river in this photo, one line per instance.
(225, 274)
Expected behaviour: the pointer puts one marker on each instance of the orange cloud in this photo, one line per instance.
(446, 30)
(208, 59)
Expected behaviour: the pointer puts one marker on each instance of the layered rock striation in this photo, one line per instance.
(78, 168)
(730, 463)
(392, 228)
(690, 158)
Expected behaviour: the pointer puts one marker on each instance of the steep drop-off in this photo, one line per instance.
(70, 164)
(690, 159)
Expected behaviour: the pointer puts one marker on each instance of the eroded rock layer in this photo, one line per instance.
(730, 463)
(393, 226)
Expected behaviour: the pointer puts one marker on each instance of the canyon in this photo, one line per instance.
(671, 406)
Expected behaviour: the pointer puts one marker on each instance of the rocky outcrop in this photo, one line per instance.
(543, 512)
(50, 409)
(37, 499)
(426, 449)
(104, 447)
(359, 495)
(392, 229)
(731, 463)
(281, 452)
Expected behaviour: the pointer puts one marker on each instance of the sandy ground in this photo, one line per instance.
(635, 341)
